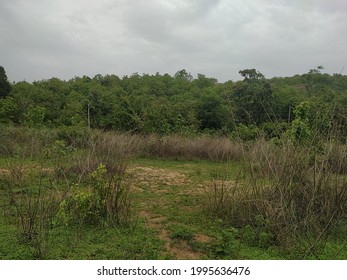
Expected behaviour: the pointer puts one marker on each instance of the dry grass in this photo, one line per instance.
(298, 191)
(204, 147)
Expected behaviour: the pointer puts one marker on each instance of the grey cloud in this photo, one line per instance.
(44, 38)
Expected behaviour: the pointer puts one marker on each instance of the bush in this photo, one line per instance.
(104, 202)
(246, 133)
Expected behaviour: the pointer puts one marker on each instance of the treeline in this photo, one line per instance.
(165, 104)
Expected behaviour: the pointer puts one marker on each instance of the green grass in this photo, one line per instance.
(88, 243)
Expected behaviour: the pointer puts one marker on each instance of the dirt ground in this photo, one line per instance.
(159, 181)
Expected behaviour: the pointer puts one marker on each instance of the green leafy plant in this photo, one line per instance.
(105, 202)
(227, 243)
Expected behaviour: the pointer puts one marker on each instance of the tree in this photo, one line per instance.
(183, 75)
(315, 81)
(212, 113)
(74, 112)
(251, 75)
(5, 86)
(8, 110)
(203, 82)
(35, 116)
(253, 98)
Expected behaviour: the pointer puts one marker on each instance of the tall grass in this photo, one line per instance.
(203, 147)
(24, 142)
(298, 192)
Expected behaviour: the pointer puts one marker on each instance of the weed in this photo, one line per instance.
(227, 243)
(181, 232)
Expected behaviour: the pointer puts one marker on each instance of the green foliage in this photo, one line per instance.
(165, 104)
(8, 110)
(253, 98)
(105, 202)
(212, 113)
(5, 86)
(251, 74)
(274, 130)
(260, 234)
(76, 209)
(300, 131)
(183, 75)
(35, 116)
(74, 112)
(246, 133)
(203, 82)
(57, 150)
(227, 243)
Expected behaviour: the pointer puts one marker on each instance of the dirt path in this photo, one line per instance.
(161, 188)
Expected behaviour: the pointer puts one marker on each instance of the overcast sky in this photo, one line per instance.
(40, 39)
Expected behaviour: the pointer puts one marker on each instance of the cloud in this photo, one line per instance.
(45, 38)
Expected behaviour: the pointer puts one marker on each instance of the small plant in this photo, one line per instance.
(110, 196)
(300, 132)
(58, 149)
(227, 243)
(75, 209)
(104, 202)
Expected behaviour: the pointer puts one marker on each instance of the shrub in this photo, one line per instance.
(100, 195)
(104, 202)
(246, 133)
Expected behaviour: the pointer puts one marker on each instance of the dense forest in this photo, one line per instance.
(182, 104)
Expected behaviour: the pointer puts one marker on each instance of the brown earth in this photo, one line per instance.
(159, 181)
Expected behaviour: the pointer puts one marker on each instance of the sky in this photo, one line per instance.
(41, 39)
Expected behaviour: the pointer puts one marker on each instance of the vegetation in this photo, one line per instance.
(161, 167)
